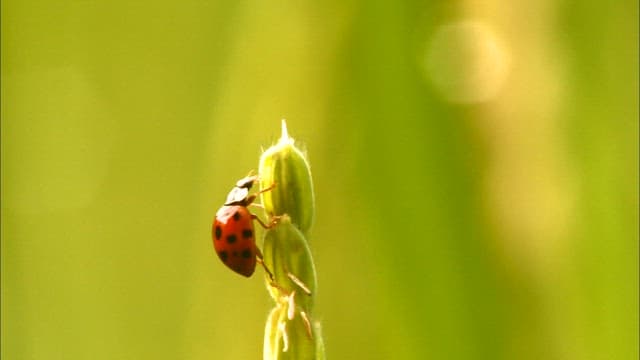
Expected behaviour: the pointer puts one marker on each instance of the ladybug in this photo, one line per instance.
(233, 232)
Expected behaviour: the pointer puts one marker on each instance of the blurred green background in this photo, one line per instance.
(475, 167)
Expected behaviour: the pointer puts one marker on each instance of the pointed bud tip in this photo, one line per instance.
(285, 138)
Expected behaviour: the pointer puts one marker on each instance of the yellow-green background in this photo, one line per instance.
(505, 229)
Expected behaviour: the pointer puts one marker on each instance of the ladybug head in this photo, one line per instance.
(247, 182)
(239, 195)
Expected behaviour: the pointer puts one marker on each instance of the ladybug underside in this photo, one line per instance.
(234, 239)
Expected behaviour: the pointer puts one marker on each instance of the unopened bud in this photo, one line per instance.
(287, 254)
(284, 165)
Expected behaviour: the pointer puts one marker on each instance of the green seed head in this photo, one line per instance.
(287, 254)
(290, 332)
(284, 165)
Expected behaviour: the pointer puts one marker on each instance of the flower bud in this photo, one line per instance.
(284, 165)
(286, 253)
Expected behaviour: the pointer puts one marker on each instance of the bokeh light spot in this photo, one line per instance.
(466, 62)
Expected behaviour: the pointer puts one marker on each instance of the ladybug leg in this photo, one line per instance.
(259, 258)
(266, 269)
(252, 197)
(272, 223)
(272, 279)
(269, 188)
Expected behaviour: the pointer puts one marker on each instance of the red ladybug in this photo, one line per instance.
(233, 232)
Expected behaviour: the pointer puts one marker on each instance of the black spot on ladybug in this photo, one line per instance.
(218, 232)
(247, 233)
(223, 255)
(236, 216)
(246, 253)
(231, 238)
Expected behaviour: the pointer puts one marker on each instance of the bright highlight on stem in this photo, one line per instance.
(290, 332)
